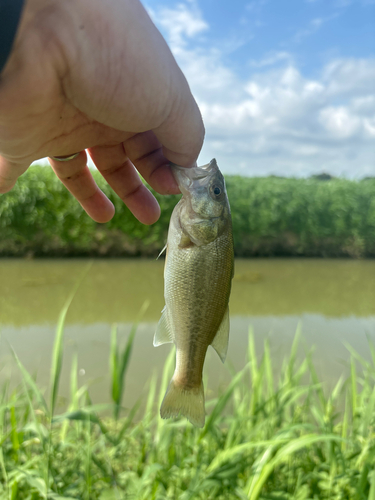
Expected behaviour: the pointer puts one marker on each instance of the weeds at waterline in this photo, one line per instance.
(279, 438)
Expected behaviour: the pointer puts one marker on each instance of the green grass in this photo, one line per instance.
(268, 435)
(271, 216)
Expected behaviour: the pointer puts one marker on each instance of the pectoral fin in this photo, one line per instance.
(163, 333)
(185, 241)
(220, 342)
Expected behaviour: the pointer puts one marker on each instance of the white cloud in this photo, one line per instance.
(271, 59)
(339, 122)
(313, 26)
(183, 21)
(255, 5)
(275, 120)
(350, 77)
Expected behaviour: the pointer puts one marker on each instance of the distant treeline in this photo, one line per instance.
(272, 216)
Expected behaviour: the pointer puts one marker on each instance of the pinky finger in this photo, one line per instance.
(77, 178)
(9, 174)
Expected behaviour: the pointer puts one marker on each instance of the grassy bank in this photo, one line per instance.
(271, 217)
(268, 436)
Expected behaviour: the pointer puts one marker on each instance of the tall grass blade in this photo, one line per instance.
(74, 394)
(252, 357)
(268, 369)
(57, 353)
(368, 415)
(151, 398)
(129, 420)
(353, 376)
(345, 423)
(119, 362)
(357, 356)
(293, 353)
(282, 455)
(371, 495)
(222, 402)
(114, 365)
(30, 382)
(372, 350)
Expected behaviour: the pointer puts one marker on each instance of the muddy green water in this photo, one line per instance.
(333, 300)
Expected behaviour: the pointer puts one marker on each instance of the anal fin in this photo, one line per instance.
(163, 333)
(220, 342)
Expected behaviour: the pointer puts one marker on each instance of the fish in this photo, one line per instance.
(198, 273)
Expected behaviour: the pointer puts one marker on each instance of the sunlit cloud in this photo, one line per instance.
(273, 119)
(182, 22)
(271, 59)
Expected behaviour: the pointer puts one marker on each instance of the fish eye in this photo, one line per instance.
(217, 191)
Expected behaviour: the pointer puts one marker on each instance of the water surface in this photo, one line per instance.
(332, 300)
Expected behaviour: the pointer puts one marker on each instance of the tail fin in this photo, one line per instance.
(187, 402)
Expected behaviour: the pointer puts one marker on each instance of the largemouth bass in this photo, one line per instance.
(197, 281)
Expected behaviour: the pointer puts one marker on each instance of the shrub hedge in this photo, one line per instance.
(271, 217)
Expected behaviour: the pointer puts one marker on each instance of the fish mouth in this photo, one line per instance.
(185, 177)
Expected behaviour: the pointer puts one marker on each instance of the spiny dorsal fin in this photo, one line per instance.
(163, 333)
(220, 342)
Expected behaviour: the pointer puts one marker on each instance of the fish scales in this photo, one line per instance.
(198, 274)
(194, 316)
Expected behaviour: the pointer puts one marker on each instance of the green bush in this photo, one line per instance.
(276, 216)
(271, 216)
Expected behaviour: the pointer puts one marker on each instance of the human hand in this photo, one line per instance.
(98, 76)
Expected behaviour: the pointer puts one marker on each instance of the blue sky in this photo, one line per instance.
(285, 87)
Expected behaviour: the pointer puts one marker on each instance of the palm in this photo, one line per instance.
(51, 105)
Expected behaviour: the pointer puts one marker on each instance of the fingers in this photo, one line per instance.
(146, 153)
(121, 175)
(77, 178)
(9, 174)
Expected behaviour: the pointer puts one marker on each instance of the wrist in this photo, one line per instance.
(10, 14)
(42, 27)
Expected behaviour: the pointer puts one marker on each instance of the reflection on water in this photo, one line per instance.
(334, 300)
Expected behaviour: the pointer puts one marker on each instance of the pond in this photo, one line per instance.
(332, 301)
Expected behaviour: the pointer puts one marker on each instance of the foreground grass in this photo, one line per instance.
(267, 436)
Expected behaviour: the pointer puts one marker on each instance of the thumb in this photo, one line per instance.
(182, 133)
